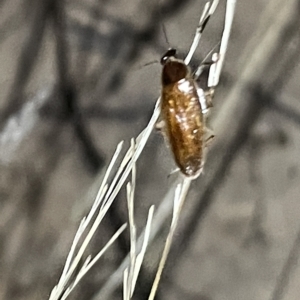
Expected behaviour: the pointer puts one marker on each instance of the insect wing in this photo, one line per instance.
(182, 113)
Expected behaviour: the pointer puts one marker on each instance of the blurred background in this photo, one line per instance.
(76, 79)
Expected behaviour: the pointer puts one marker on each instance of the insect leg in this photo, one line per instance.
(209, 140)
(160, 125)
(173, 172)
(204, 64)
(209, 95)
(206, 96)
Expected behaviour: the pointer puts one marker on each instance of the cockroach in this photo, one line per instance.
(184, 104)
(182, 114)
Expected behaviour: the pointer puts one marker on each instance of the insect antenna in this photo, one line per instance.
(152, 62)
(165, 34)
(163, 27)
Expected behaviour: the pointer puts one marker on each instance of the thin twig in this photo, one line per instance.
(70, 106)
(131, 273)
(208, 10)
(241, 109)
(215, 70)
(26, 61)
(104, 199)
(180, 196)
(162, 213)
(141, 141)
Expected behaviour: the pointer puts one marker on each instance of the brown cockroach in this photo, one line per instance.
(184, 104)
(183, 115)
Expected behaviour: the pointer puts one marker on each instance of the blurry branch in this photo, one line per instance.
(89, 39)
(2, 3)
(139, 38)
(288, 66)
(243, 106)
(62, 52)
(40, 14)
(28, 187)
(95, 111)
(286, 111)
(13, 21)
(27, 60)
(68, 91)
(288, 267)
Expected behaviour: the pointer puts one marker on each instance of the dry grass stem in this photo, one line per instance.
(215, 69)
(88, 264)
(183, 187)
(180, 196)
(208, 10)
(104, 197)
(162, 213)
(131, 273)
(107, 193)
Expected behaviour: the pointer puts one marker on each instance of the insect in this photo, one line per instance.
(183, 104)
(182, 111)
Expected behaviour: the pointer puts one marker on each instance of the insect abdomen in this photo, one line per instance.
(182, 113)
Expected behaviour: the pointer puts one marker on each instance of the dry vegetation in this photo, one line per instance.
(73, 84)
